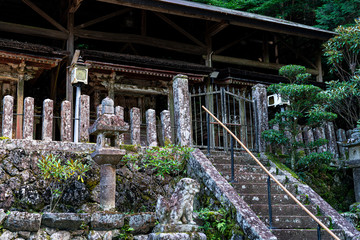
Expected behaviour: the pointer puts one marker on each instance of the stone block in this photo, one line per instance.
(84, 118)
(142, 222)
(166, 126)
(65, 221)
(151, 136)
(182, 110)
(28, 126)
(47, 124)
(7, 235)
(23, 221)
(66, 130)
(107, 221)
(135, 121)
(7, 117)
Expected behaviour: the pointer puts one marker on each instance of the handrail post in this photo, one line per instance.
(208, 133)
(319, 232)
(269, 201)
(232, 160)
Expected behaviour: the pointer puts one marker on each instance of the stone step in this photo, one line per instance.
(305, 234)
(242, 168)
(226, 159)
(295, 222)
(252, 177)
(261, 188)
(275, 198)
(282, 210)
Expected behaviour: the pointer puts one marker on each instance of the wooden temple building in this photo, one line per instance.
(135, 47)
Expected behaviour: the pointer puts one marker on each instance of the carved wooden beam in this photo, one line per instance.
(44, 15)
(75, 4)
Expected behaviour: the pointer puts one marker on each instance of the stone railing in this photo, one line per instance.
(66, 127)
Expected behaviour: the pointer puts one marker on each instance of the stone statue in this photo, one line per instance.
(179, 208)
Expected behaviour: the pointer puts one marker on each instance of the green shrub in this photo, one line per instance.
(60, 175)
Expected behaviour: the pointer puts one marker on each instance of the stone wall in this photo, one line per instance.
(23, 189)
(79, 226)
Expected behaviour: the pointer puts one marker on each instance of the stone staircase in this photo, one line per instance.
(289, 221)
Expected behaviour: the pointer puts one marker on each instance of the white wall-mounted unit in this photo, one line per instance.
(275, 100)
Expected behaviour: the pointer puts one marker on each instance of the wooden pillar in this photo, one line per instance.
(319, 68)
(70, 48)
(266, 58)
(20, 101)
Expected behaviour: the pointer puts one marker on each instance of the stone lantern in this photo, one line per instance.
(108, 128)
(353, 145)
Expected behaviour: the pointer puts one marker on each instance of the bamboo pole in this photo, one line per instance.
(275, 180)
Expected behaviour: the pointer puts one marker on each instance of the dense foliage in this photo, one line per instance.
(305, 109)
(326, 14)
(343, 95)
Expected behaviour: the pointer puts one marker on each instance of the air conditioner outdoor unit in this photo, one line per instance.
(275, 100)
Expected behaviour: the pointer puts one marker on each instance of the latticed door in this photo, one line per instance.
(232, 107)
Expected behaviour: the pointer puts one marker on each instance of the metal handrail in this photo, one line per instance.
(275, 180)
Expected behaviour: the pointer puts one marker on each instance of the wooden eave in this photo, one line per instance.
(34, 61)
(234, 17)
(165, 74)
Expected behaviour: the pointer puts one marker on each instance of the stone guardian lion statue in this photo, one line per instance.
(179, 208)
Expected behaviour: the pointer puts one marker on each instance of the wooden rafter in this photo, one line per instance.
(103, 18)
(44, 15)
(220, 50)
(75, 4)
(138, 39)
(297, 53)
(218, 27)
(143, 22)
(179, 29)
(33, 31)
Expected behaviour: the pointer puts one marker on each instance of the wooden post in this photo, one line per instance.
(19, 106)
(319, 68)
(70, 48)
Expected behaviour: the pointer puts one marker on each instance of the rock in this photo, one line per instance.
(29, 196)
(237, 237)
(23, 221)
(141, 237)
(65, 221)
(20, 159)
(94, 235)
(76, 194)
(79, 238)
(7, 235)
(3, 175)
(355, 207)
(142, 222)
(95, 194)
(3, 216)
(177, 236)
(353, 218)
(24, 234)
(107, 236)
(107, 221)
(14, 183)
(40, 235)
(62, 235)
(27, 177)
(19, 239)
(10, 168)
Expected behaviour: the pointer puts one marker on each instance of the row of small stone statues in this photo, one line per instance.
(27, 121)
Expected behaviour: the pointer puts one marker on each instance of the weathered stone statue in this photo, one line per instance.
(179, 208)
(175, 215)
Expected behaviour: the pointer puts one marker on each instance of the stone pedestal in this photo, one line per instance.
(108, 126)
(177, 236)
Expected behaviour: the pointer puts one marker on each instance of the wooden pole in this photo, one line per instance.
(275, 180)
